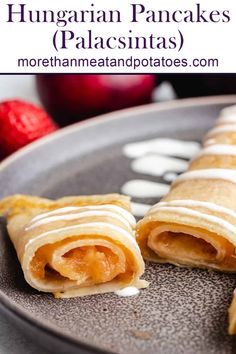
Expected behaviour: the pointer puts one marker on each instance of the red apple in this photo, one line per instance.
(69, 98)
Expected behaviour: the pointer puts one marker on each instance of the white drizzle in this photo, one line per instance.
(194, 204)
(214, 173)
(56, 212)
(225, 128)
(144, 189)
(68, 217)
(226, 120)
(218, 149)
(227, 115)
(170, 176)
(163, 146)
(97, 225)
(109, 207)
(129, 291)
(209, 142)
(140, 209)
(157, 165)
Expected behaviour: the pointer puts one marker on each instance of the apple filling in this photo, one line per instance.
(96, 263)
(85, 265)
(193, 247)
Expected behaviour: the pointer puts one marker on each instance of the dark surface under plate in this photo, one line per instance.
(183, 310)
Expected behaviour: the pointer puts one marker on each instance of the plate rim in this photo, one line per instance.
(147, 108)
(6, 304)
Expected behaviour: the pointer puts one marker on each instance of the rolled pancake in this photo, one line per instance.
(194, 225)
(75, 246)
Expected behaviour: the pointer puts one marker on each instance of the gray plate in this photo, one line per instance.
(183, 311)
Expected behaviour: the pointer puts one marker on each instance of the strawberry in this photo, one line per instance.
(20, 124)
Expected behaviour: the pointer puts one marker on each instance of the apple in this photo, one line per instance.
(70, 98)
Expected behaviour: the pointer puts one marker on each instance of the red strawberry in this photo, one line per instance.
(20, 124)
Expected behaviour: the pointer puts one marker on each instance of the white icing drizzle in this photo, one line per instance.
(214, 173)
(194, 204)
(170, 176)
(129, 291)
(206, 217)
(88, 226)
(68, 217)
(144, 189)
(209, 142)
(140, 209)
(157, 165)
(225, 128)
(226, 120)
(163, 146)
(59, 211)
(218, 149)
(109, 207)
(227, 115)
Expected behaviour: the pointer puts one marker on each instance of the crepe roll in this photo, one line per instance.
(75, 246)
(195, 223)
